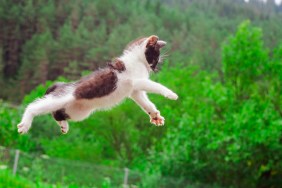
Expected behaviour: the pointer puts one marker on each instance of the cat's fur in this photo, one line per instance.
(125, 77)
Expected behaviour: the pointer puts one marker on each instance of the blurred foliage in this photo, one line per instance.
(9, 181)
(225, 130)
(42, 40)
(231, 132)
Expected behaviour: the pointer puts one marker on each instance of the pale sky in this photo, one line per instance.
(278, 2)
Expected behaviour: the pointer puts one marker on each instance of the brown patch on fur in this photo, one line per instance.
(57, 89)
(152, 40)
(117, 65)
(98, 84)
(60, 115)
(51, 89)
(135, 42)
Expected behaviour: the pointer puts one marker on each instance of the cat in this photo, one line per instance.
(127, 76)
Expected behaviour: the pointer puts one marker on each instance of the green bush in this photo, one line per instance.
(219, 137)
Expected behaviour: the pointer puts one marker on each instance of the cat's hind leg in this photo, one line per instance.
(44, 105)
(64, 125)
(61, 118)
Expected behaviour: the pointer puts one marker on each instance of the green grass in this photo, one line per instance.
(8, 180)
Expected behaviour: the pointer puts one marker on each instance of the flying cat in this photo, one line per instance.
(127, 76)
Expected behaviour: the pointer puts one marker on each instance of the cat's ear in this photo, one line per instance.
(152, 40)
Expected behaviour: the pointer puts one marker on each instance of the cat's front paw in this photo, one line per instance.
(171, 95)
(157, 119)
(23, 128)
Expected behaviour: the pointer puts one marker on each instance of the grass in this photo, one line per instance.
(9, 181)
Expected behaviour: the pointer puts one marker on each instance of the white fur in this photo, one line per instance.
(133, 83)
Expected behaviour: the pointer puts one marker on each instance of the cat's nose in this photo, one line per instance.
(161, 43)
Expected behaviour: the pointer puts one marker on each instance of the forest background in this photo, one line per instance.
(224, 61)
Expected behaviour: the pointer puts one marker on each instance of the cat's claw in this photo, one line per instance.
(64, 126)
(22, 128)
(157, 119)
(64, 130)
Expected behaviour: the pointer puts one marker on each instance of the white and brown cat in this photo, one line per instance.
(126, 76)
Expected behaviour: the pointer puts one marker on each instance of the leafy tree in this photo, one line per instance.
(244, 59)
(35, 61)
(219, 137)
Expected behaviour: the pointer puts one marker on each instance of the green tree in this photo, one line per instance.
(244, 59)
(35, 64)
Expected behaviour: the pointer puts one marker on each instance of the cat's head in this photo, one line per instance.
(149, 49)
